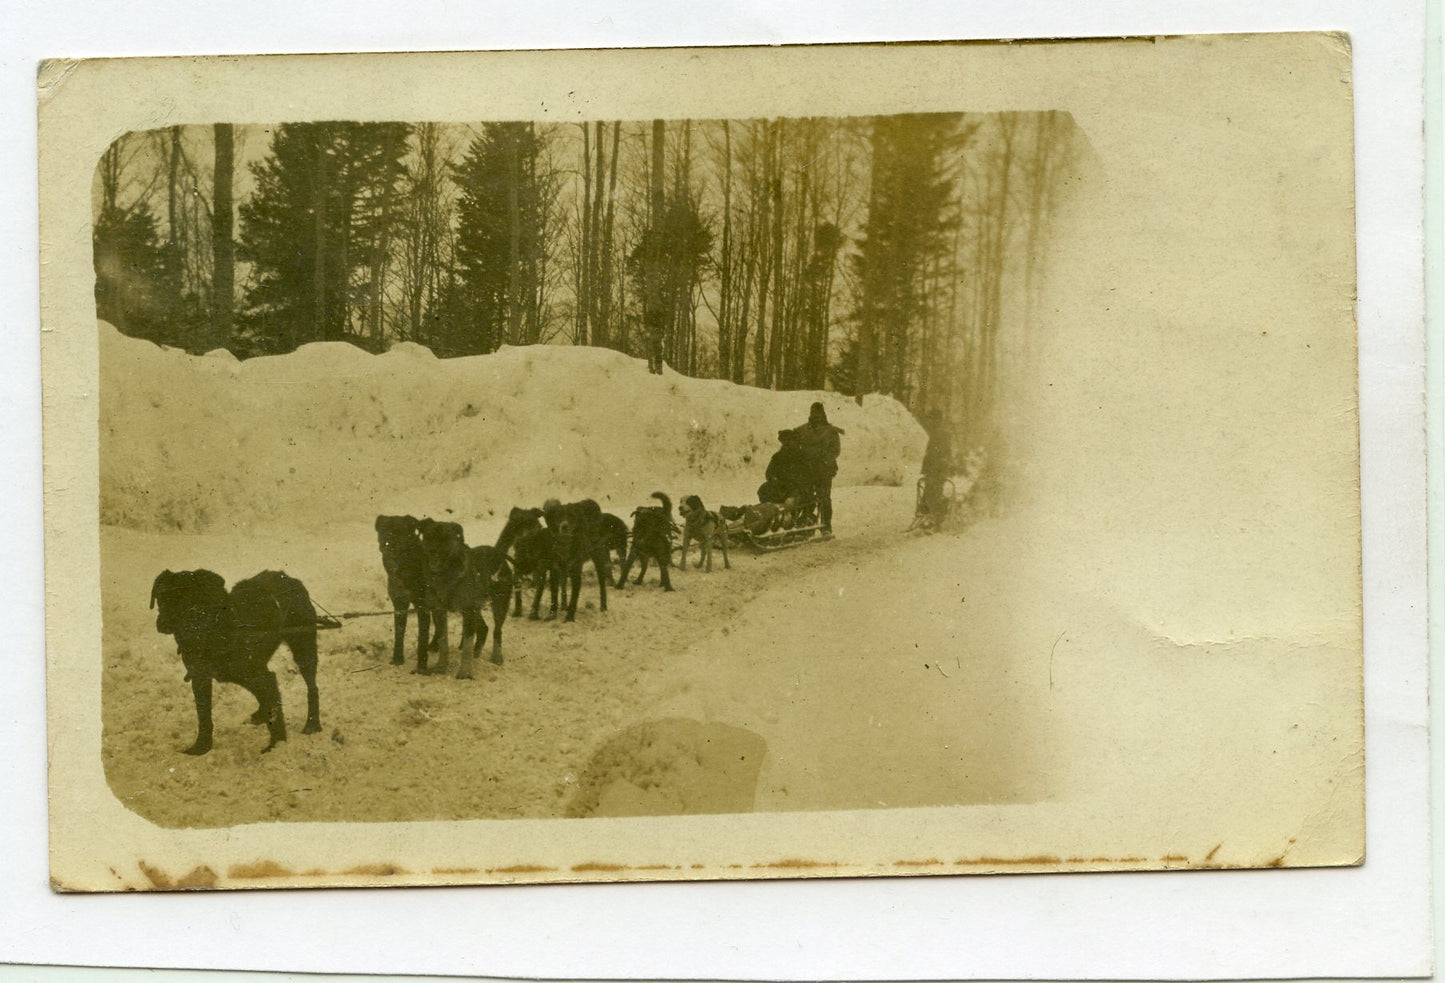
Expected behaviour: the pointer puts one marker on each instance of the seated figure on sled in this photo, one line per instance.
(796, 492)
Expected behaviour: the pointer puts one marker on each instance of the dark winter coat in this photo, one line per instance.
(938, 458)
(790, 469)
(821, 445)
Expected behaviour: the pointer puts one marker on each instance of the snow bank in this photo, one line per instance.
(330, 433)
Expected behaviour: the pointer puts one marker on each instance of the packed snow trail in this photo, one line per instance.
(515, 742)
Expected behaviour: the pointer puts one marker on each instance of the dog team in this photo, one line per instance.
(231, 636)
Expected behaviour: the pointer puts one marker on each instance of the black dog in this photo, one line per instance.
(577, 538)
(462, 580)
(652, 528)
(399, 538)
(614, 536)
(230, 638)
(533, 556)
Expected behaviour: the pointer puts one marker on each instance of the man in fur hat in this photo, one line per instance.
(819, 442)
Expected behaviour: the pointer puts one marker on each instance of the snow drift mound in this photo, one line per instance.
(331, 433)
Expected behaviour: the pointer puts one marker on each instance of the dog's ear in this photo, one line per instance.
(162, 582)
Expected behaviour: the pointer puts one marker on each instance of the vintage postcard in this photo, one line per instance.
(701, 463)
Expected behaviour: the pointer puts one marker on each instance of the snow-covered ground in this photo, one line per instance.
(1000, 664)
(283, 463)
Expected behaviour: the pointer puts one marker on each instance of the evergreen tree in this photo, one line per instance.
(317, 229)
(135, 277)
(223, 245)
(909, 199)
(670, 261)
(503, 211)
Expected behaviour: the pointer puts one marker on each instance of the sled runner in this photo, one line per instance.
(944, 504)
(767, 527)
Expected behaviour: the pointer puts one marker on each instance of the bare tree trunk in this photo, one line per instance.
(582, 275)
(173, 207)
(765, 265)
(223, 249)
(780, 293)
(725, 267)
(514, 246)
(654, 312)
(318, 216)
(603, 286)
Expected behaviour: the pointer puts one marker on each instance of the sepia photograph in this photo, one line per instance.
(951, 468)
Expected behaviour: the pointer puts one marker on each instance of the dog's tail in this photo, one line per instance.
(666, 504)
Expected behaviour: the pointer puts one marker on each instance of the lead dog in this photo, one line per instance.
(230, 638)
(705, 527)
(399, 539)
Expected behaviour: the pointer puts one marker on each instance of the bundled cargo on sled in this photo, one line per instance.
(771, 526)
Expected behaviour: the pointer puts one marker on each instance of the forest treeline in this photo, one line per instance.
(882, 254)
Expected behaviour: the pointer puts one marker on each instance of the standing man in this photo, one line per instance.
(819, 441)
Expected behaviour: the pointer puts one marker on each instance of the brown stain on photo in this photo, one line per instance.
(155, 875)
(204, 877)
(259, 870)
(377, 870)
(1009, 862)
(201, 878)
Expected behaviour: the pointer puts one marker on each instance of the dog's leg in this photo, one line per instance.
(474, 629)
(641, 568)
(537, 597)
(662, 566)
(604, 574)
(704, 551)
(201, 689)
(440, 645)
(423, 626)
(499, 615)
(266, 689)
(723, 532)
(626, 566)
(686, 537)
(517, 591)
(398, 619)
(303, 651)
(574, 577)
